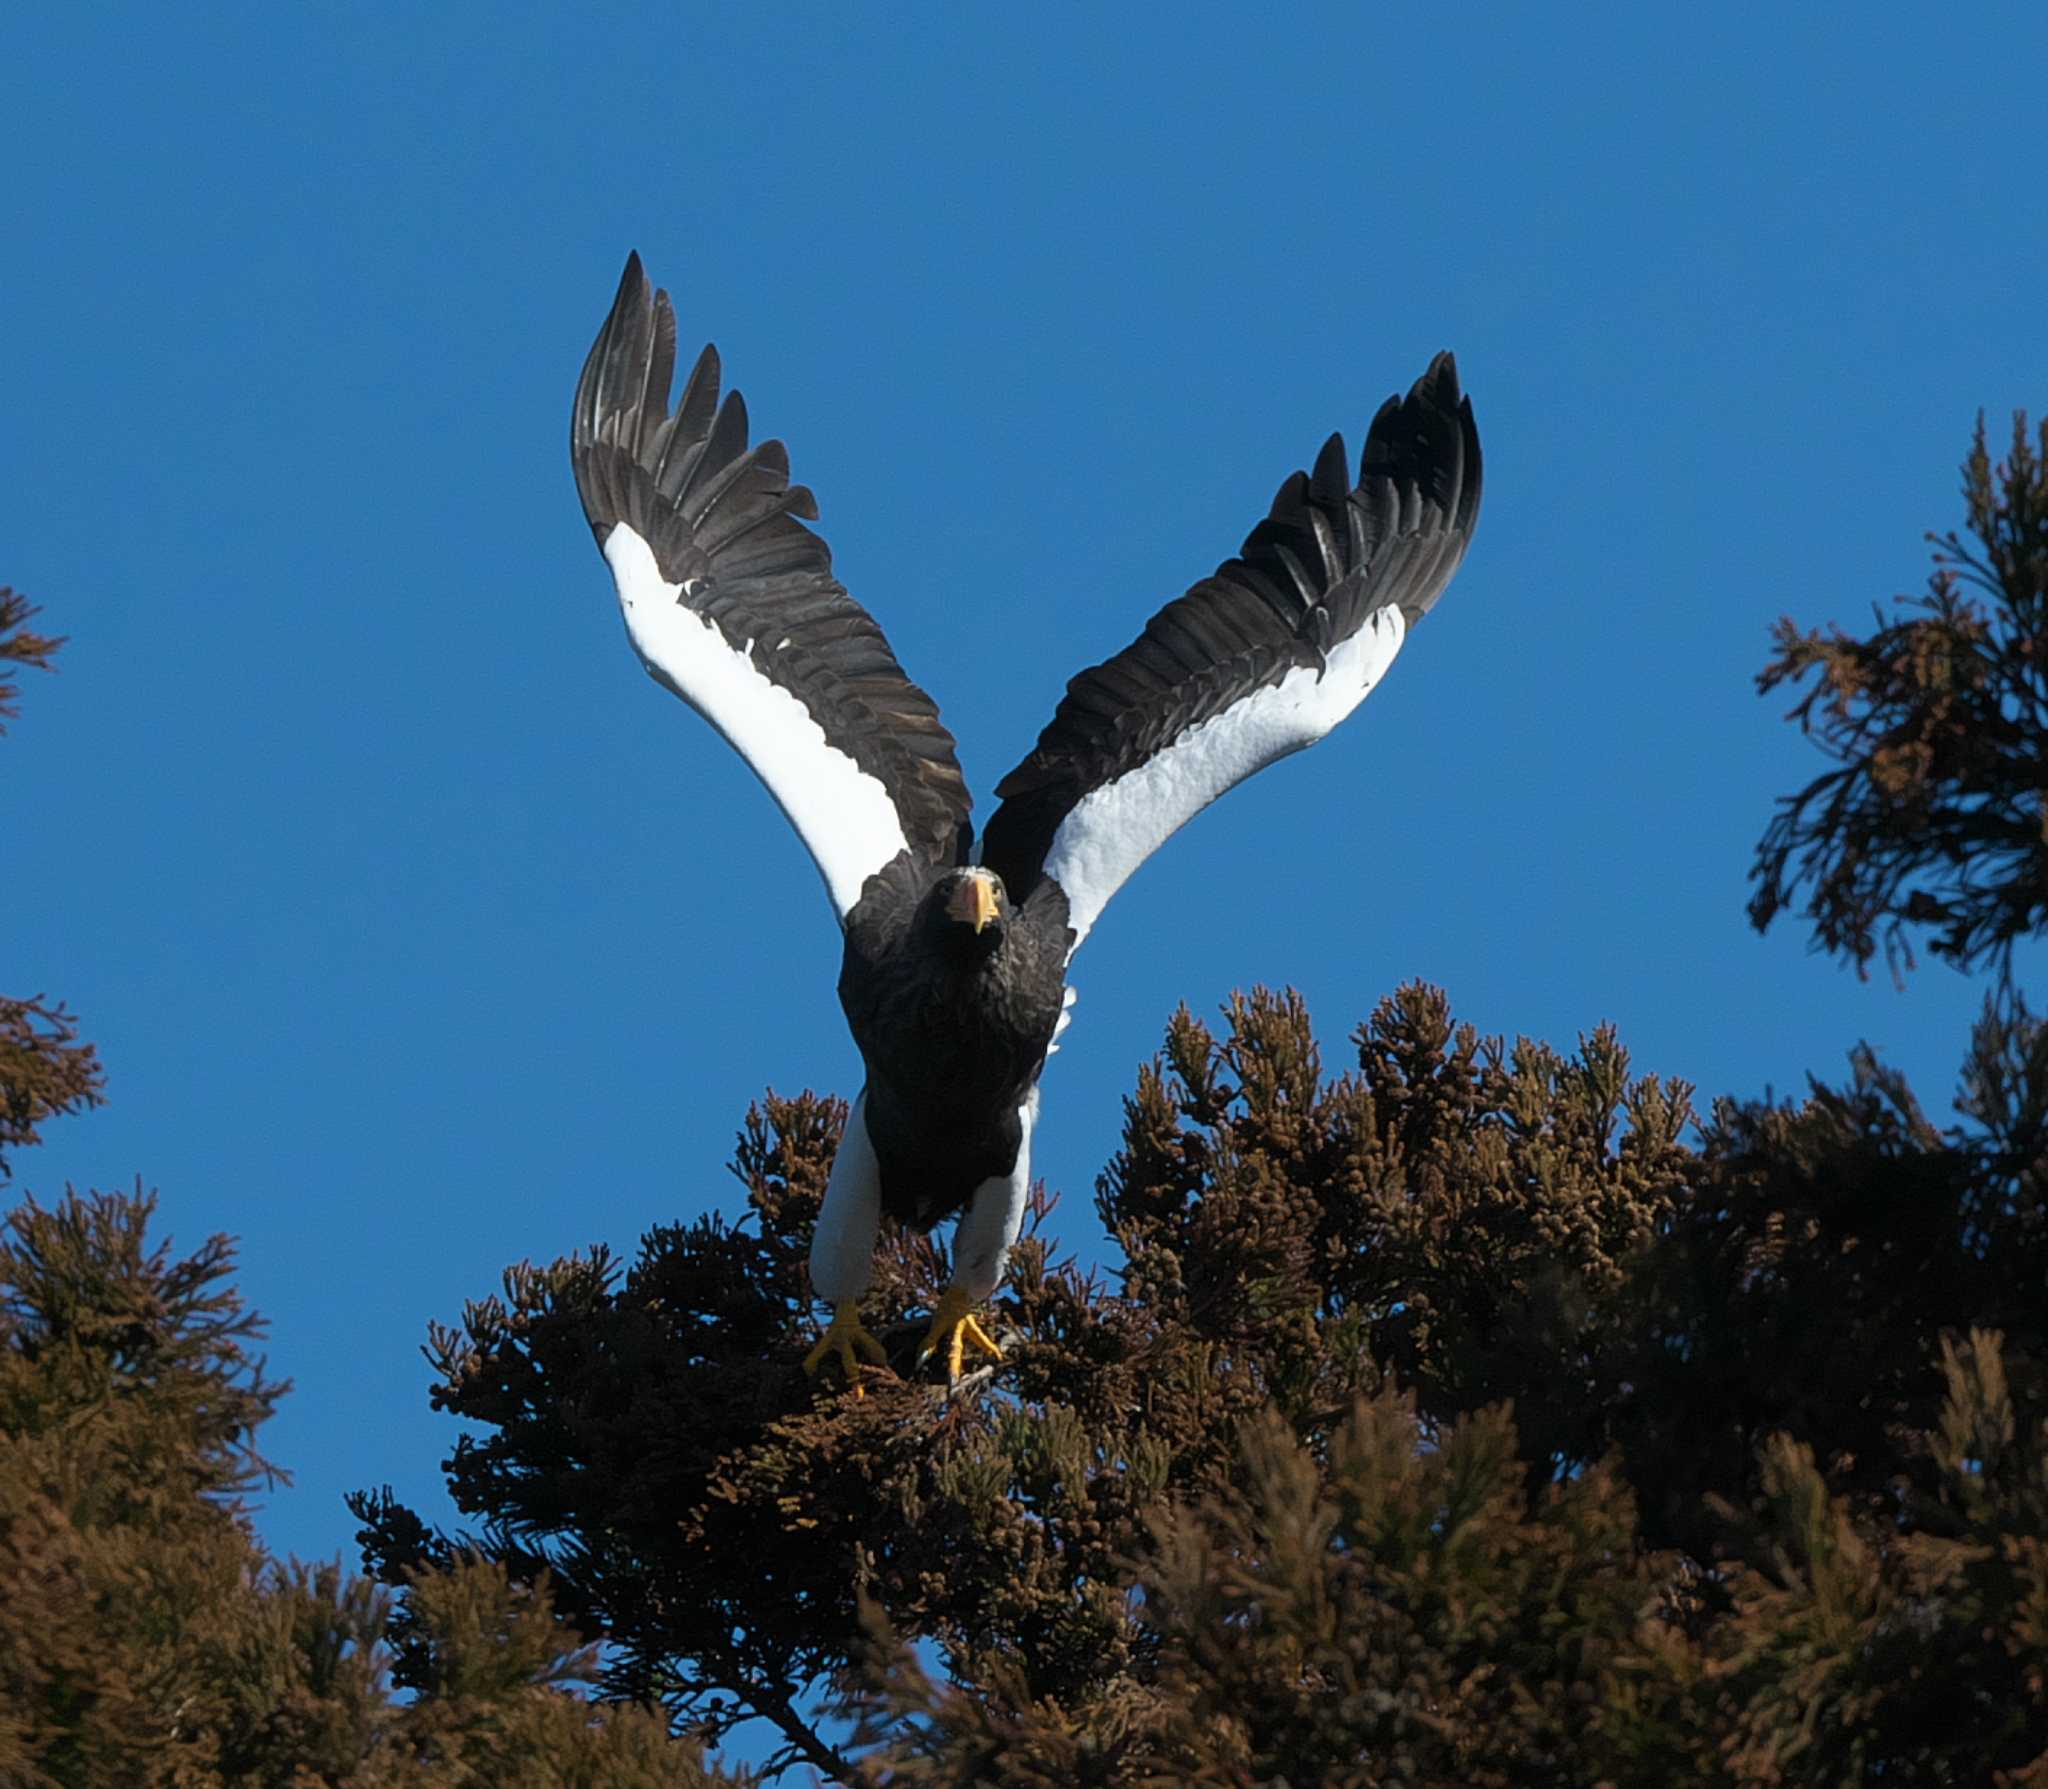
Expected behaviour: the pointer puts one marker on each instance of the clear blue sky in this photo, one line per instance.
(421, 933)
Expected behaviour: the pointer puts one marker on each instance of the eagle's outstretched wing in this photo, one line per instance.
(730, 601)
(1260, 660)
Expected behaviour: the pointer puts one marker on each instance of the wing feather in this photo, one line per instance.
(1260, 659)
(731, 602)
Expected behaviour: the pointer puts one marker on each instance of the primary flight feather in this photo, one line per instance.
(953, 977)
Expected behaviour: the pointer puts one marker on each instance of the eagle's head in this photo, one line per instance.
(967, 912)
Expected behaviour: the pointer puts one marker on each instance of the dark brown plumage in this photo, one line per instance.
(955, 993)
(953, 1027)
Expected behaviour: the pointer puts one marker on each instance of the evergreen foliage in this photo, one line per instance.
(146, 1638)
(44, 1070)
(1271, 1508)
(1934, 817)
(1478, 1414)
(19, 646)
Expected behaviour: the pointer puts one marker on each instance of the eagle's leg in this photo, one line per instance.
(981, 1250)
(848, 1342)
(954, 1328)
(843, 1249)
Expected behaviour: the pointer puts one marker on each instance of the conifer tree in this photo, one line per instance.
(1933, 819)
(44, 1070)
(146, 1637)
(1480, 1414)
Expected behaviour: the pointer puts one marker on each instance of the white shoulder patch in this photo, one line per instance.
(1113, 829)
(843, 814)
(1066, 1017)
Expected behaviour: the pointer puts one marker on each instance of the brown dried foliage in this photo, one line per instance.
(44, 1070)
(18, 646)
(1475, 1416)
(146, 1637)
(1936, 817)
(1435, 1430)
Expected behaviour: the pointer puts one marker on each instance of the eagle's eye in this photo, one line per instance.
(975, 899)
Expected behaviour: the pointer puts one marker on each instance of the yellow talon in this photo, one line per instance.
(953, 1323)
(848, 1343)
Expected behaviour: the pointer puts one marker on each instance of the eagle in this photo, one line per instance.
(954, 972)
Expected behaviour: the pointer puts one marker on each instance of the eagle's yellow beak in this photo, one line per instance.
(973, 903)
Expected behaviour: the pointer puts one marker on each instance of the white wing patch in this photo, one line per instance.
(843, 815)
(1113, 829)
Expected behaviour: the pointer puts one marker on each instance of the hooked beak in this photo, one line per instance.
(973, 903)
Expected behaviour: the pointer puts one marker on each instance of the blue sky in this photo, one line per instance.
(422, 934)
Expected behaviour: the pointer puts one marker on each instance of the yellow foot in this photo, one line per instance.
(848, 1343)
(953, 1325)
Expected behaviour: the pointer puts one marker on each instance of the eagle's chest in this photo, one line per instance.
(951, 1050)
(953, 1032)
(956, 1038)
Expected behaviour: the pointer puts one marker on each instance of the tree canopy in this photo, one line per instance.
(1472, 1411)
(146, 1636)
(1934, 820)
(1452, 1419)
(44, 1070)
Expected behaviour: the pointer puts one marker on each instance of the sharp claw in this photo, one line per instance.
(954, 1325)
(848, 1343)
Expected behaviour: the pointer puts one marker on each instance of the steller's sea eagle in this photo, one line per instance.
(954, 973)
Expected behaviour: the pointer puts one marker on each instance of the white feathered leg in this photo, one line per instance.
(843, 1245)
(988, 1227)
(981, 1250)
(843, 1248)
